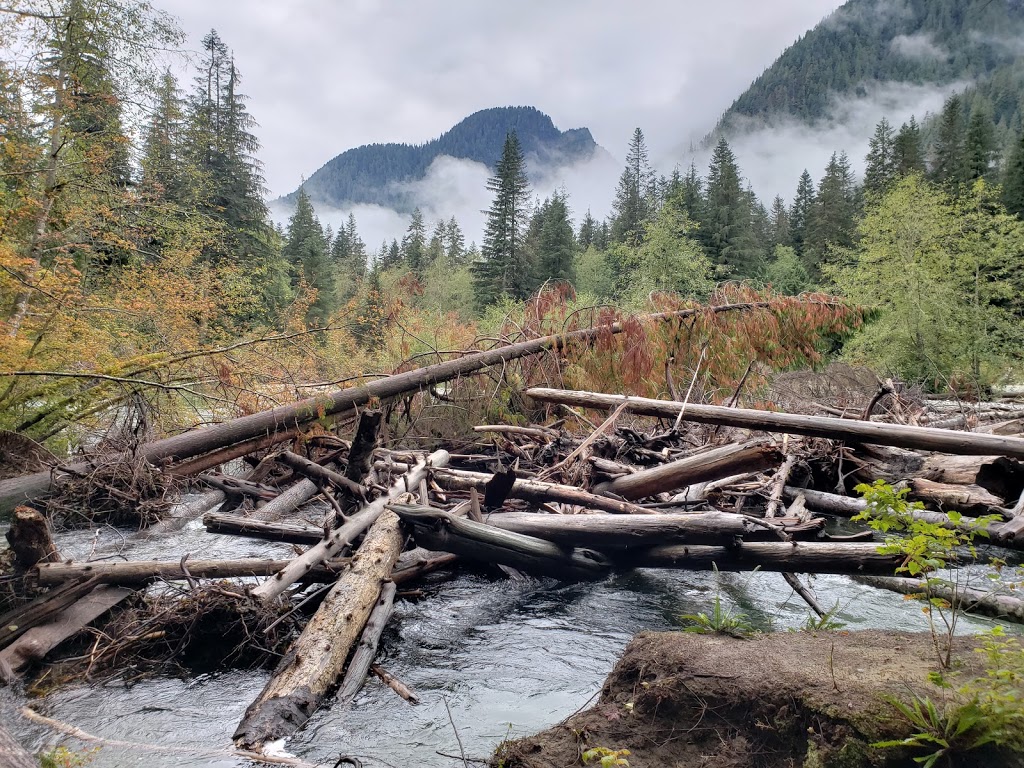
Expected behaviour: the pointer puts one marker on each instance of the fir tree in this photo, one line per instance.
(504, 268)
(588, 231)
(880, 165)
(456, 243)
(414, 244)
(980, 145)
(306, 250)
(803, 203)
(908, 155)
(164, 162)
(950, 163)
(778, 222)
(1013, 178)
(633, 197)
(727, 230)
(833, 217)
(556, 243)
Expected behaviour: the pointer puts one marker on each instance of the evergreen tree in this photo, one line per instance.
(833, 217)
(556, 243)
(633, 197)
(1013, 178)
(803, 204)
(456, 243)
(880, 165)
(778, 223)
(727, 229)
(950, 163)
(164, 161)
(306, 250)
(908, 156)
(414, 244)
(980, 145)
(393, 257)
(504, 268)
(588, 231)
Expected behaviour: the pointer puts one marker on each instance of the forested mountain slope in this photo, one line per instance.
(376, 173)
(868, 42)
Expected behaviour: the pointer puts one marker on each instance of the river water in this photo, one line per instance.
(488, 658)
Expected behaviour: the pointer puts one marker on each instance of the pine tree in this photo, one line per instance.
(727, 227)
(456, 243)
(633, 197)
(803, 204)
(504, 268)
(880, 165)
(588, 231)
(980, 147)
(950, 163)
(1013, 178)
(778, 222)
(692, 195)
(908, 155)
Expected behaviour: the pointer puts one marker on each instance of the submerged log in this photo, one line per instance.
(315, 660)
(813, 426)
(616, 532)
(43, 638)
(346, 534)
(286, 417)
(709, 465)
(441, 530)
(395, 684)
(1001, 606)
(362, 659)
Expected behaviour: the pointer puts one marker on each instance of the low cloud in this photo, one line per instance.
(919, 46)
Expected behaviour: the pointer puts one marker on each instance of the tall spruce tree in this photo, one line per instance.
(908, 154)
(833, 217)
(880, 165)
(455, 240)
(504, 268)
(727, 228)
(556, 243)
(980, 145)
(306, 251)
(414, 244)
(799, 214)
(164, 161)
(778, 222)
(588, 231)
(633, 198)
(1013, 178)
(949, 166)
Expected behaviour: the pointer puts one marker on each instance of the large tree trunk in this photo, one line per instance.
(814, 426)
(787, 557)
(189, 444)
(314, 662)
(30, 539)
(141, 571)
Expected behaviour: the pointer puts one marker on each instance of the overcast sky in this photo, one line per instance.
(323, 76)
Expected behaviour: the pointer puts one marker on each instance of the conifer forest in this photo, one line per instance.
(239, 435)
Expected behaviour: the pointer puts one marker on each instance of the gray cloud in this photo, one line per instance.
(919, 46)
(324, 76)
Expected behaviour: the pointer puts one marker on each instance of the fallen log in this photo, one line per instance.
(615, 532)
(237, 525)
(963, 498)
(289, 500)
(1000, 534)
(43, 638)
(791, 557)
(440, 530)
(315, 660)
(395, 684)
(814, 426)
(42, 609)
(1000, 606)
(346, 534)
(12, 754)
(539, 492)
(142, 571)
(362, 659)
(286, 417)
(360, 456)
(319, 474)
(709, 465)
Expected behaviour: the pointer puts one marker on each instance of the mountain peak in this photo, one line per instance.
(379, 173)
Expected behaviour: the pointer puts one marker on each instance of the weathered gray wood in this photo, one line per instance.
(441, 530)
(12, 754)
(616, 532)
(238, 525)
(1002, 606)
(539, 492)
(814, 426)
(709, 465)
(791, 557)
(362, 659)
(319, 474)
(41, 639)
(963, 498)
(315, 660)
(360, 456)
(289, 500)
(142, 571)
(346, 534)
(42, 609)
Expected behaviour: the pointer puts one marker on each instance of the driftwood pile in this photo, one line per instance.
(650, 484)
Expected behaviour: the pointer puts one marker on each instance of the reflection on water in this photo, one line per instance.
(504, 657)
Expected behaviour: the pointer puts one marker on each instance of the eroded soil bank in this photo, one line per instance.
(799, 699)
